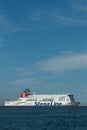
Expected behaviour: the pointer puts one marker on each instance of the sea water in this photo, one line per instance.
(43, 118)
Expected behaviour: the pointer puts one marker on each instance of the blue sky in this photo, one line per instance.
(43, 46)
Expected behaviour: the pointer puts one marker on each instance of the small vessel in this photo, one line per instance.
(27, 99)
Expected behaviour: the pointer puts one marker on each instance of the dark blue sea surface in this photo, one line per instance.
(43, 118)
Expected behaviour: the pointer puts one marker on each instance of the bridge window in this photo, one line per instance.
(71, 98)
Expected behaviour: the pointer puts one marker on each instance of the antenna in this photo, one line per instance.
(34, 93)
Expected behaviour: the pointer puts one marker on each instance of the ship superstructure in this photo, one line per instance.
(27, 99)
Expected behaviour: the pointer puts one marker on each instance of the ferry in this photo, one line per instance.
(27, 99)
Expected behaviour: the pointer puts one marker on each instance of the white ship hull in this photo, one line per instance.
(33, 103)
